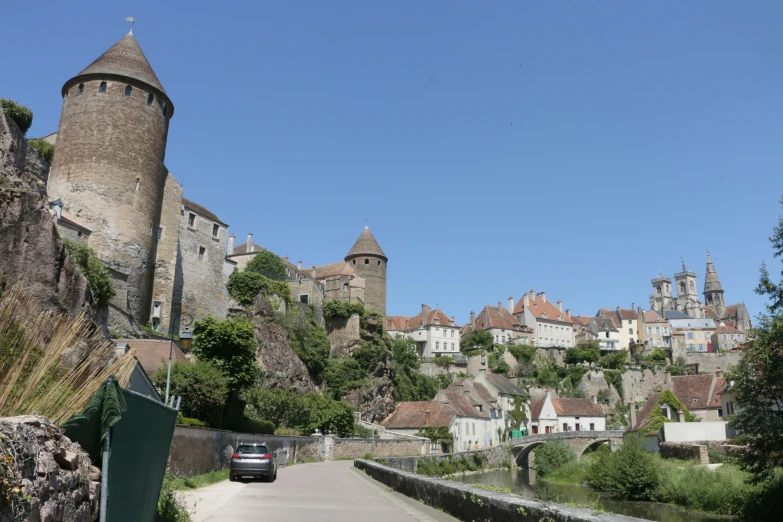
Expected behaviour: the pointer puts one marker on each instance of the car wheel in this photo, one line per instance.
(232, 478)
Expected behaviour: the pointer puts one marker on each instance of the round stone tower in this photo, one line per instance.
(108, 166)
(369, 262)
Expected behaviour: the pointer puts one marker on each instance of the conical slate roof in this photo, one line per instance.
(125, 58)
(711, 281)
(366, 245)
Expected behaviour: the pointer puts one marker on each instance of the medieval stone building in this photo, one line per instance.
(687, 299)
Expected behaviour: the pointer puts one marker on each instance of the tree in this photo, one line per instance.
(757, 380)
(19, 113)
(268, 265)
(477, 339)
(523, 353)
(583, 352)
(308, 340)
(231, 345)
(203, 387)
(98, 276)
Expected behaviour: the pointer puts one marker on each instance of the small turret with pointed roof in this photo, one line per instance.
(369, 261)
(713, 291)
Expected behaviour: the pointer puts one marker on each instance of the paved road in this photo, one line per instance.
(326, 492)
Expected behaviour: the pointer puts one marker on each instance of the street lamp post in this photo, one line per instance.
(184, 339)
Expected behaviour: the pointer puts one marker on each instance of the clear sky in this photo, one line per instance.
(577, 148)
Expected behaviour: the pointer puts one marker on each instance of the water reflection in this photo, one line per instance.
(523, 482)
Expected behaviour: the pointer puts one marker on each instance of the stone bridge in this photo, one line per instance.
(580, 441)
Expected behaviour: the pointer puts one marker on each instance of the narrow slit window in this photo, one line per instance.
(102, 87)
(138, 182)
(215, 231)
(128, 90)
(81, 89)
(163, 107)
(366, 261)
(150, 98)
(191, 220)
(201, 252)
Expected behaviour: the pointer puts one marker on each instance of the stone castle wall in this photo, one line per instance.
(203, 289)
(168, 270)
(373, 271)
(710, 362)
(107, 171)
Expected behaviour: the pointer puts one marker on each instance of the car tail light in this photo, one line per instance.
(235, 456)
(266, 456)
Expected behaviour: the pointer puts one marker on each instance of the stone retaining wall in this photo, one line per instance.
(358, 448)
(495, 457)
(470, 503)
(685, 451)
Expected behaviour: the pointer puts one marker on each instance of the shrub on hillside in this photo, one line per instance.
(98, 277)
(245, 286)
(22, 116)
(552, 455)
(43, 148)
(523, 353)
(334, 309)
(202, 386)
(268, 265)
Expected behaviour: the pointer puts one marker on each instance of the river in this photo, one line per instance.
(523, 482)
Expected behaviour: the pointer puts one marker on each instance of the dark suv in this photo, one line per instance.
(253, 460)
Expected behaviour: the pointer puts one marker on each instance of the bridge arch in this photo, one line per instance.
(580, 442)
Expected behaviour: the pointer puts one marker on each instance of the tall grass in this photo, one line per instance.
(52, 364)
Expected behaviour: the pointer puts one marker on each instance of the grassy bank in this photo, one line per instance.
(199, 481)
(724, 491)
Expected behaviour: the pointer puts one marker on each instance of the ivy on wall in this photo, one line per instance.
(656, 416)
(245, 286)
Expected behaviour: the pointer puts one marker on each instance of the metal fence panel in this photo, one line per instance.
(140, 444)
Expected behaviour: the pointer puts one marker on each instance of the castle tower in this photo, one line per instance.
(713, 291)
(108, 169)
(369, 262)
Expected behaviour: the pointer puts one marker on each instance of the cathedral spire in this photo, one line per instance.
(713, 291)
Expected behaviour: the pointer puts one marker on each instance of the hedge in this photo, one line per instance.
(19, 113)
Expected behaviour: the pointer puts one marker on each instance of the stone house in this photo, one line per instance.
(698, 331)
(601, 329)
(654, 330)
(727, 337)
(552, 326)
(553, 415)
(501, 394)
(434, 333)
(504, 327)
(626, 322)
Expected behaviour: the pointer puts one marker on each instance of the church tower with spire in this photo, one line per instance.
(108, 168)
(713, 291)
(368, 260)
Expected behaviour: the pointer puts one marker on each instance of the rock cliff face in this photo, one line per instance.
(30, 247)
(276, 358)
(54, 476)
(374, 400)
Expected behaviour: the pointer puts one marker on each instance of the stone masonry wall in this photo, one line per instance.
(204, 291)
(495, 457)
(53, 473)
(358, 448)
(593, 382)
(470, 503)
(168, 273)
(684, 451)
(199, 450)
(710, 362)
(638, 385)
(19, 163)
(344, 334)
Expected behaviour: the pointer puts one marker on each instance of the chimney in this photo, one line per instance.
(231, 240)
(633, 306)
(299, 265)
(560, 305)
(639, 310)
(249, 247)
(718, 373)
(500, 306)
(526, 300)
(632, 405)
(667, 378)
(285, 258)
(618, 309)
(532, 293)
(425, 312)
(511, 304)
(542, 295)
(473, 320)
(568, 312)
(680, 416)
(595, 399)
(453, 321)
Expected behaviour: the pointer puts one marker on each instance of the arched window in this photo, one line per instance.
(163, 107)
(128, 90)
(150, 98)
(102, 87)
(81, 89)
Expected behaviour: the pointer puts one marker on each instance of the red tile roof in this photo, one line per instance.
(641, 420)
(397, 323)
(242, 249)
(726, 328)
(403, 323)
(153, 354)
(536, 405)
(577, 408)
(494, 317)
(698, 392)
(458, 402)
(483, 393)
(653, 317)
(540, 307)
(333, 269)
(421, 414)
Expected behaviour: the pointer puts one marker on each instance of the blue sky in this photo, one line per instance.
(579, 148)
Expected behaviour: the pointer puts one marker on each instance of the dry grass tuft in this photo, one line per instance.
(51, 364)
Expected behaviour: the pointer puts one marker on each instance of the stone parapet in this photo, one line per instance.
(684, 451)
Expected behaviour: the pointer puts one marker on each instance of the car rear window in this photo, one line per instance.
(260, 450)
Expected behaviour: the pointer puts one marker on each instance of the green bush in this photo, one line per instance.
(250, 424)
(675, 370)
(342, 376)
(19, 113)
(43, 148)
(613, 361)
(476, 340)
(334, 309)
(522, 352)
(584, 352)
(631, 472)
(552, 455)
(187, 421)
(268, 265)
(202, 386)
(245, 286)
(444, 360)
(170, 508)
(98, 276)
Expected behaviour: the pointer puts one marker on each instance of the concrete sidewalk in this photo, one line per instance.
(328, 491)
